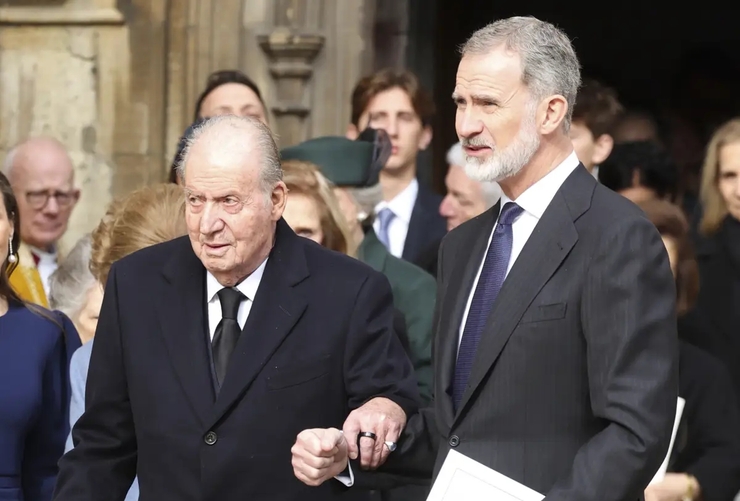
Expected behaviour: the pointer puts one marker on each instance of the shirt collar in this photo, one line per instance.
(537, 197)
(44, 255)
(402, 205)
(248, 286)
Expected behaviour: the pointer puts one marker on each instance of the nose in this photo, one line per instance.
(210, 219)
(467, 124)
(392, 127)
(446, 208)
(52, 206)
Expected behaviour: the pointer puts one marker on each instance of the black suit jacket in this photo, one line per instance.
(318, 343)
(574, 386)
(426, 226)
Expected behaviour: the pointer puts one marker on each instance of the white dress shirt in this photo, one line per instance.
(534, 202)
(402, 206)
(248, 287)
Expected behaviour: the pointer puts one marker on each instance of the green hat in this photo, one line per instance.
(344, 162)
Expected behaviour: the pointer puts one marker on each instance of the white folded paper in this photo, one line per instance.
(463, 478)
(660, 475)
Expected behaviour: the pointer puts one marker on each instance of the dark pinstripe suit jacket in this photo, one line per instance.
(573, 391)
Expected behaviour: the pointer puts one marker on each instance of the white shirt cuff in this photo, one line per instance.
(347, 480)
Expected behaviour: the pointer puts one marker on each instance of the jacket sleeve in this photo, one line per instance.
(628, 313)
(102, 463)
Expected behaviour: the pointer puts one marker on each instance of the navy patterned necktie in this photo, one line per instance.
(227, 331)
(491, 279)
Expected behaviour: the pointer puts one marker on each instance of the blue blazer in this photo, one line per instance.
(78, 377)
(34, 400)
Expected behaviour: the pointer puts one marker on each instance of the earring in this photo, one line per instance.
(12, 258)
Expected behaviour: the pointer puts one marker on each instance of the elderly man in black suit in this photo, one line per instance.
(555, 350)
(213, 351)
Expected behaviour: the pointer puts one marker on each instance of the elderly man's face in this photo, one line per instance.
(43, 182)
(231, 219)
(495, 117)
(464, 199)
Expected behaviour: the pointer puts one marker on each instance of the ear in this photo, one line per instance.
(602, 148)
(426, 137)
(279, 198)
(352, 132)
(551, 114)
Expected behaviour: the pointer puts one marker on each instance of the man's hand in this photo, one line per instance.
(319, 455)
(380, 416)
(674, 487)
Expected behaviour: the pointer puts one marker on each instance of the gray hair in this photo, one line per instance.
(491, 190)
(261, 136)
(549, 62)
(367, 199)
(72, 280)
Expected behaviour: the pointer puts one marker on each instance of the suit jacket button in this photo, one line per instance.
(210, 438)
(454, 441)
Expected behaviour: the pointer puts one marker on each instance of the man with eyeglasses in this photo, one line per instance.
(42, 176)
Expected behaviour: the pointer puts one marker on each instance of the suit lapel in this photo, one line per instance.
(462, 276)
(182, 319)
(423, 229)
(547, 247)
(276, 308)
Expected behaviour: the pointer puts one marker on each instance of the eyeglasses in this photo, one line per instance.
(38, 199)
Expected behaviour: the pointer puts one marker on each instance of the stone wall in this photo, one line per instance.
(116, 80)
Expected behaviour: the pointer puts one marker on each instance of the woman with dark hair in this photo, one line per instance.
(705, 461)
(35, 348)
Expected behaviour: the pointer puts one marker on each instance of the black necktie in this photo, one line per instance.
(227, 331)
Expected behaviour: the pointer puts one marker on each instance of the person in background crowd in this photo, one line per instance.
(241, 334)
(312, 211)
(407, 218)
(42, 176)
(556, 351)
(637, 125)
(465, 199)
(74, 291)
(348, 165)
(716, 318)
(595, 115)
(231, 92)
(640, 171)
(705, 461)
(35, 346)
(146, 217)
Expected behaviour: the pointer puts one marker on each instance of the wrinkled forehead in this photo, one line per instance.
(221, 169)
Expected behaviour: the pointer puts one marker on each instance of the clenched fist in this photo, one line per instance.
(319, 455)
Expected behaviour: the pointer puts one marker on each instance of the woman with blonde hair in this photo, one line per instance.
(313, 211)
(716, 317)
(146, 217)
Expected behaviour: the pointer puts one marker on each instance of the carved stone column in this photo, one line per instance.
(291, 47)
(291, 55)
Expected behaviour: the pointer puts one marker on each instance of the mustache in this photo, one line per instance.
(475, 142)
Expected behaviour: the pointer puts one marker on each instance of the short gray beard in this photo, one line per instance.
(508, 162)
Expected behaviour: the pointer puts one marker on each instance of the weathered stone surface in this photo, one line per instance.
(116, 80)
